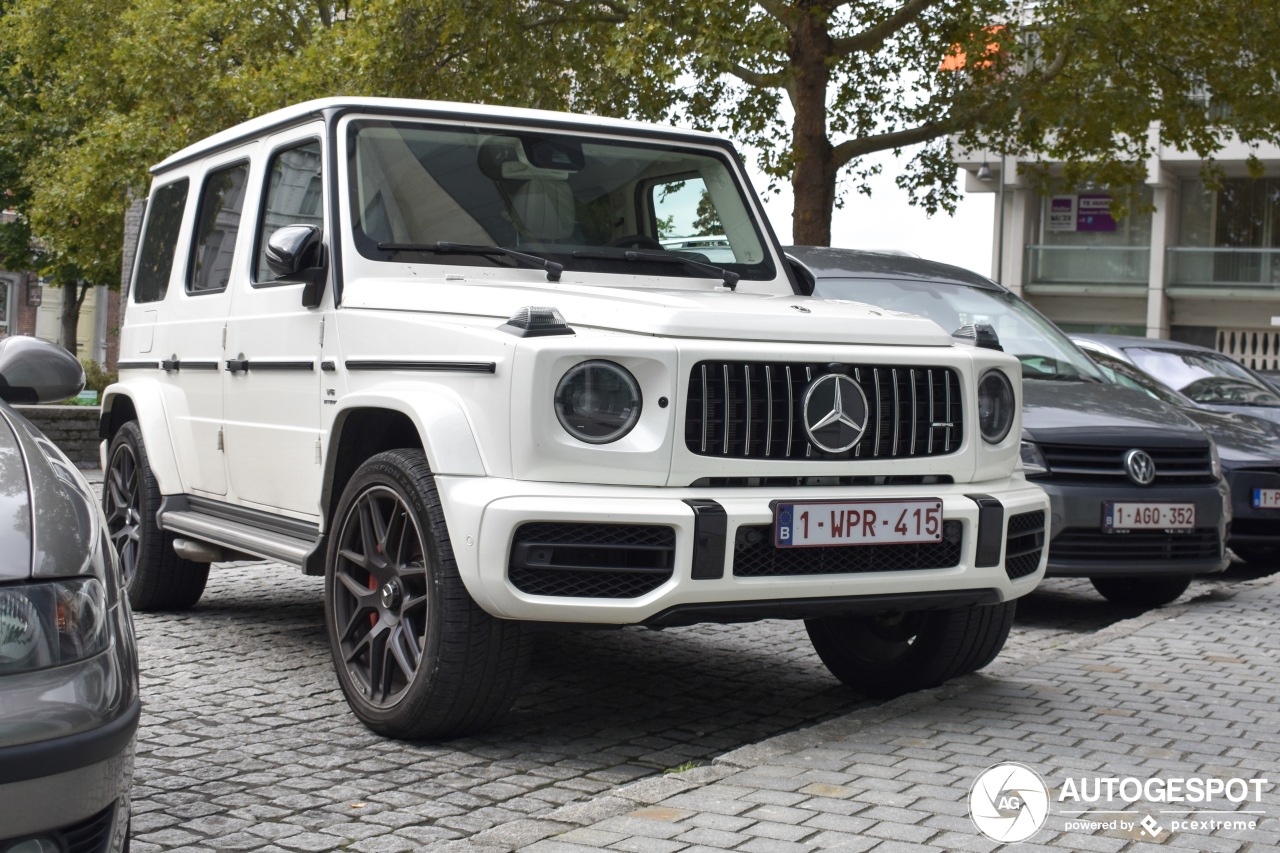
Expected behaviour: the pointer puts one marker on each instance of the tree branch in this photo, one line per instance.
(870, 40)
(851, 149)
(776, 80)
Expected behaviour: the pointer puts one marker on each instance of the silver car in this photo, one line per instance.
(68, 663)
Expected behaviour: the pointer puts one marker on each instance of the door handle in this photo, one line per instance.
(235, 365)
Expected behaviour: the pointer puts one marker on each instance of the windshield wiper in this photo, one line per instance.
(445, 247)
(729, 278)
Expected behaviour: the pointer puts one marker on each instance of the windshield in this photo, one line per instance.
(430, 193)
(1045, 352)
(1123, 373)
(1205, 377)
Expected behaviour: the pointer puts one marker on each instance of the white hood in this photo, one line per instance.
(715, 314)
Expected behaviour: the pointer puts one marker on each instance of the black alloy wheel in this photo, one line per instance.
(380, 596)
(122, 503)
(415, 656)
(155, 577)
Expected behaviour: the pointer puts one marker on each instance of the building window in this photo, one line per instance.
(1229, 235)
(6, 288)
(1079, 241)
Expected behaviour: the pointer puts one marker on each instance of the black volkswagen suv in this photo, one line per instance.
(1138, 501)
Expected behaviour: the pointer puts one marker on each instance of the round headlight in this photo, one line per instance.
(996, 406)
(598, 401)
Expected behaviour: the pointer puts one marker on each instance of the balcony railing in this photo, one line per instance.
(1224, 269)
(1088, 265)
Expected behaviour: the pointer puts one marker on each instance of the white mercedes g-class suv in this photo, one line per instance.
(439, 354)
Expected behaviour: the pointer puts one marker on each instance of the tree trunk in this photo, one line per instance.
(72, 299)
(813, 180)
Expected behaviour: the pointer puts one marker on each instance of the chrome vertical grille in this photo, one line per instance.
(752, 410)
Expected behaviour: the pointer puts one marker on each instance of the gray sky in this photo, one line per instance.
(887, 221)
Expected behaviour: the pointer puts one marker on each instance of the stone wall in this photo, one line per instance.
(73, 428)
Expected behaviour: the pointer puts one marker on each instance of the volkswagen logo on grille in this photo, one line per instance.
(1140, 467)
(835, 413)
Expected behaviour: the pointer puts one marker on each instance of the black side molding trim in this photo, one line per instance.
(303, 366)
(137, 365)
(710, 532)
(436, 366)
(990, 530)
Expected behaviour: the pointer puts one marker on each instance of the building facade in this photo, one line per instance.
(1191, 261)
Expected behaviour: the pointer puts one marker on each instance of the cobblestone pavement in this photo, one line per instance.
(246, 742)
(1187, 692)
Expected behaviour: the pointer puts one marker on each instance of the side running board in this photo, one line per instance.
(261, 534)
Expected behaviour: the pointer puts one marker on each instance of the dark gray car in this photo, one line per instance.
(68, 664)
(1138, 501)
(1207, 377)
(1250, 453)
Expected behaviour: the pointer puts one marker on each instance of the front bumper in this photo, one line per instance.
(1251, 526)
(713, 565)
(73, 781)
(1079, 547)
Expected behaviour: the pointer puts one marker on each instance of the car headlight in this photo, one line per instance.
(598, 401)
(51, 624)
(996, 406)
(1033, 461)
(1215, 460)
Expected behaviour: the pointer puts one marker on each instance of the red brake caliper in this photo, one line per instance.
(373, 584)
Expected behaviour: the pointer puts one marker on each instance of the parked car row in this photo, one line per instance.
(1146, 492)
(1249, 448)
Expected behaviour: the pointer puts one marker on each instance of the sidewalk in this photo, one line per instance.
(1161, 704)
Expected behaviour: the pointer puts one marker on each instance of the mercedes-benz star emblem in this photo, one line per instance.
(1140, 467)
(835, 413)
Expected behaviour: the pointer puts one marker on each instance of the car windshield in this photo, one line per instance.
(434, 193)
(1045, 352)
(1205, 377)
(1123, 373)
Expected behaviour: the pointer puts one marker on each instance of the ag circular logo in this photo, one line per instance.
(1008, 802)
(835, 412)
(1140, 466)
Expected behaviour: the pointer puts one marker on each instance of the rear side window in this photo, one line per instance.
(160, 242)
(293, 198)
(221, 204)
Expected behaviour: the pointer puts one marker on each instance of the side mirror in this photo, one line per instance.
(36, 371)
(294, 253)
(980, 335)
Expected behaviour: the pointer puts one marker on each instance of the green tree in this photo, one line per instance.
(816, 86)
(95, 91)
